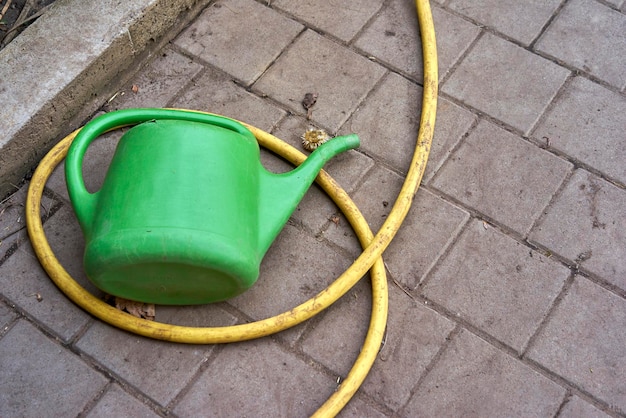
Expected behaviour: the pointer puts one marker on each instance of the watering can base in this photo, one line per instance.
(160, 283)
(169, 266)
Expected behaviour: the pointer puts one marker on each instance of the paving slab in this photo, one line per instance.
(388, 125)
(13, 219)
(428, 230)
(262, 33)
(7, 315)
(473, 378)
(158, 83)
(590, 37)
(415, 334)
(400, 46)
(311, 266)
(142, 362)
(576, 407)
(41, 375)
(241, 382)
(521, 21)
(341, 20)
(585, 225)
(358, 409)
(496, 284)
(512, 186)
(117, 403)
(336, 338)
(616, 3)
(586, 327)
(506, 82)
(373, 198)
(587, 123)
(314, 64)
(216, 92)
(22, 279)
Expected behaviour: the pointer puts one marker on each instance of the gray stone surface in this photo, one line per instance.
(373, 198)
(414, 336)
(585, 225)
(591, 37)
(261, 35)
(587, 123)
(40, 377)
(388, 121)
(506, 82)
(616, 3)
(144, 363)
(215, 92)
(472, 378)
(240, 382)
(157, 84)
(311, 266)
(512, 187)
(585, 326)
(13, 219)
(576, 407)
(117, 403)
(6, 316)
(521, 21)
(429, 228)
(389, 125)
(400, 45)
(94, 42)
(496, 284)
(340, 20)
(314, 64)
(339, 354)
(22, 279)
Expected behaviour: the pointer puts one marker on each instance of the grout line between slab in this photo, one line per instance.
(384, 5)
(569, 386)
(555, 14)
(566, 399)
(187, 387)
(442, 256)
(432, 364)
(544, 322)
(91, 404)
(461, 324)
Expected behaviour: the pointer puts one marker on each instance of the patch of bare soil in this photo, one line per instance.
(16, 15)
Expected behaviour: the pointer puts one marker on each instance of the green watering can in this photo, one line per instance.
(186, 211)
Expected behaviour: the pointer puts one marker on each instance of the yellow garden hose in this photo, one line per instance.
(369, 258)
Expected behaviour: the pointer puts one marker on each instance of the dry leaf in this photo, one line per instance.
(136, 309)
(135, 88)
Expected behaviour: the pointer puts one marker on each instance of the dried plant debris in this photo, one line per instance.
(313, 138)
(134, 308)
(308, 102)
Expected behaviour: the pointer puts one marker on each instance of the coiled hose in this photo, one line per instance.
(373, 246)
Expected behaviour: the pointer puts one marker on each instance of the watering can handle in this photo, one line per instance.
(83, 201)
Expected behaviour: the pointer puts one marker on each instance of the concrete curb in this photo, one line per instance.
(64, 66)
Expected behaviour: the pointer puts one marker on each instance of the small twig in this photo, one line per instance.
(5, 8)
(19, 22)
(398, 284)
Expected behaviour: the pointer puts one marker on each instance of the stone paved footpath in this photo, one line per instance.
(507, 279)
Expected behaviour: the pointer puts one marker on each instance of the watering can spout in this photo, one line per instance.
(281, 193)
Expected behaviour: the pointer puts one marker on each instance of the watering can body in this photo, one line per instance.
(186, 211)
